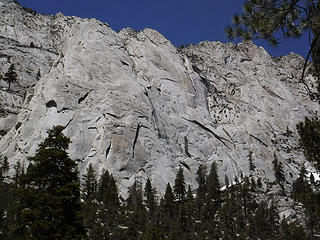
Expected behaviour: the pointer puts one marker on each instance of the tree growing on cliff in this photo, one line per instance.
(11, 76)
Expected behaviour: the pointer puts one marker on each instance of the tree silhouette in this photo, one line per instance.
(11, 76)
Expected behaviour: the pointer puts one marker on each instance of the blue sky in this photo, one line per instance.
(182, 22)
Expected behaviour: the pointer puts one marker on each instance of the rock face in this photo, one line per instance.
(136, 105)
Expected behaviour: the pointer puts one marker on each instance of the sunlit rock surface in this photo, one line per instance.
(136, 105)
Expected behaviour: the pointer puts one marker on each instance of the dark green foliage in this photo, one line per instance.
(11, 76)
(168, 200)
(300, 186)
(232, 214)
(291, 231)
(90, 206)
(202, 184)
(49, 194)
(213, 185)
(152, 232)
(309, 132)
(4, 195)
(107, 191)
(89, 189)
(136, 211)
(259, 183)
(179, 186)
(274, 20)
(278, 170)
(149, 193)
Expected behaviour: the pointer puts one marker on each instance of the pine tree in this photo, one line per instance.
(202, 182)
(107, 191)
(189, 194)
(278, 170)
(274, 20)
(259, 183)
(168, 200)
(11, 76)
(179, 186)
(309, 133)
(136, 211)
(152, 232)
(90, 184)
(90, 207)
(49, 194)
(149, 193)
(213, 185)
(5, 192)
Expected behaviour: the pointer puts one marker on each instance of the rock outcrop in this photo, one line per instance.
(136, 105)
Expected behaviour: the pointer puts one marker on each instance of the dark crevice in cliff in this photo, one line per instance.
(260, 141)
(108, 150)
(135, 139)
(84, 97)
(221, 139)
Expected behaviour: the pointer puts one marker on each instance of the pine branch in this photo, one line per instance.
(306, 61)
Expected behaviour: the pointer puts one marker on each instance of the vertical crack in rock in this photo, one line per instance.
(84, 97)
(154, 116)
(186, 146)
(259, 140)
(135, 139)
(221, 139)
(108, 150)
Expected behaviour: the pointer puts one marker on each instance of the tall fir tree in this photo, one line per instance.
(168, 200)
(107, 191)
(201, 179)
(90, 183)
(149, 193)
(180, 186)
(5, 196)
(278, 170)
(90, 206)
(213, 184)
(49, 194)
(309, 133)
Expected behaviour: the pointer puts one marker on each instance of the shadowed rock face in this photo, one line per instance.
(134, 104)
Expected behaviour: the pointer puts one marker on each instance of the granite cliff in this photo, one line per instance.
(135, 104)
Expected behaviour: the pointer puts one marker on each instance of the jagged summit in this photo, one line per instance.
(133, 103)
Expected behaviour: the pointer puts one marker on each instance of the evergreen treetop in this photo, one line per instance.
(179, 185)
(49, 194)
